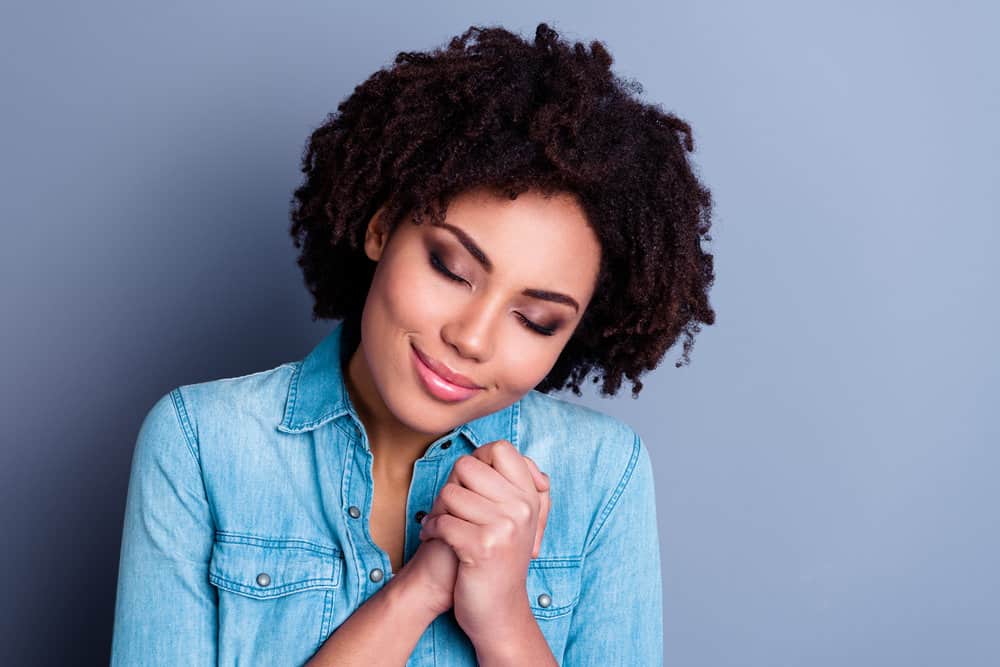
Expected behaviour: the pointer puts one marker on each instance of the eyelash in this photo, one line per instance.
(441, 268)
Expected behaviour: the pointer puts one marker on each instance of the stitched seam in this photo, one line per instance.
(550, 612)
(343, 429)
(433, 641)
(250, 375)
(292, 398)
(551, 563)
(228, 537)
(568, 565)
(327, 616)
(182, 416)
(344, 500)
(305, 584)
(320, 582)
(191, 435)
(308, 426)
(613, 501)
(515, 419)
(293, 386)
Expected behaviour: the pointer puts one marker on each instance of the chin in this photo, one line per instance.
(421, 414)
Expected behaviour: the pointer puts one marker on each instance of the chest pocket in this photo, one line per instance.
(554, 591)
(273, 592)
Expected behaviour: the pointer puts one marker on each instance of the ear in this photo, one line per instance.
(375, 236)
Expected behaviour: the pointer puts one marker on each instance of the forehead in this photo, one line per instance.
(542, 239)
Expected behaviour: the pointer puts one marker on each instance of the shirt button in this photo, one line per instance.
(446, 444)
(263, 579)
(419, 516)
(544, 600)
(354, 511)
(375, 575)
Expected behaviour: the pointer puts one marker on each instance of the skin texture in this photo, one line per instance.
(487, 512)
(494, 109)
(436, 557)
(485, 522)
(492, 112)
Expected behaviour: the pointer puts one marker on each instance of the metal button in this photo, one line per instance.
(544, 600)
(419, 516)
(446, 444)
(354, 511)
(375, 574)
(263, 579)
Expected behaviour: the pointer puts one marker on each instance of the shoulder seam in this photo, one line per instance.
(180, 410)
(286, 364)
(613, 501)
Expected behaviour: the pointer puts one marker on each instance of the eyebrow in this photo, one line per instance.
(481, 257)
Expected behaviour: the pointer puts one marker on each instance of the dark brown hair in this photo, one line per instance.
(493, 110)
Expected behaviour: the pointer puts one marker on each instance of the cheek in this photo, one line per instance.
(408, 294)
(525, 368)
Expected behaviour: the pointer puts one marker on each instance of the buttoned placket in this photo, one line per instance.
(358, 487)
(317, 401)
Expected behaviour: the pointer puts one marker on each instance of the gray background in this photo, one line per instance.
(826, 465)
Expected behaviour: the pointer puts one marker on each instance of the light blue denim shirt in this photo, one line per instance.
(246, 535)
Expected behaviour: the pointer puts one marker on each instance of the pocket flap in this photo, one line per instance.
(264, 568)
(553, 585)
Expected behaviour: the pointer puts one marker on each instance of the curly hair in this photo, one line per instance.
(492, 110)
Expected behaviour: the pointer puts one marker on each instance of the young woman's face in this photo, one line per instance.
(500, 321)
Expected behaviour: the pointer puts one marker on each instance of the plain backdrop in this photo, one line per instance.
(826, 466)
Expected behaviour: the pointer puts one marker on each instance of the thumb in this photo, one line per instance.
(540, 478)
(542, 486)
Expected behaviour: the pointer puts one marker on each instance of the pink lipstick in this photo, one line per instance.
(436, 385)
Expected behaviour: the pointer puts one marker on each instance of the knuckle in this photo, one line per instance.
(506, 528)
(444, 522)
(488, 545)
(463, 464)
(449, 492)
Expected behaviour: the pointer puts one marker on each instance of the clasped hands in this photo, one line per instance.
(485, 526)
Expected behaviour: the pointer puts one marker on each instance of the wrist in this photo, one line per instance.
(522, 644)
(410, 590)
(506, 637)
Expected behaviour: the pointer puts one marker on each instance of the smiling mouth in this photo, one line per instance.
(436, 385)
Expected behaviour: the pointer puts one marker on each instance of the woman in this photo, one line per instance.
(489, 222)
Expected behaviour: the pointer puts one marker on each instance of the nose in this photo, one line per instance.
(472, 331)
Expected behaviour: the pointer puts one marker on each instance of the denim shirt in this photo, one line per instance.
(246, 537)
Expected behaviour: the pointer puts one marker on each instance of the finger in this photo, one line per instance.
(474, 474)
(509, 462)
(543, 517)
(485, 454)
(542, 485)
(466, 504)
(540, 478)
(456, 533)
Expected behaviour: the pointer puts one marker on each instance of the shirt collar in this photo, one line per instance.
(317, 394)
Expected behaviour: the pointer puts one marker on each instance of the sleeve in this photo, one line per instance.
(165, 607)
(619, 617)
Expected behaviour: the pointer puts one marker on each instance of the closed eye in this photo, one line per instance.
(545, 331)
(443, 270)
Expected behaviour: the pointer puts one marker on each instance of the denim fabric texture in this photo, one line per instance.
(240, 544)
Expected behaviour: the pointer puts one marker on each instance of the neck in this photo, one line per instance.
(394, 446)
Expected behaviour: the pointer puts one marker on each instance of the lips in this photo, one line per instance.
(447, 375)
(435, 382)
